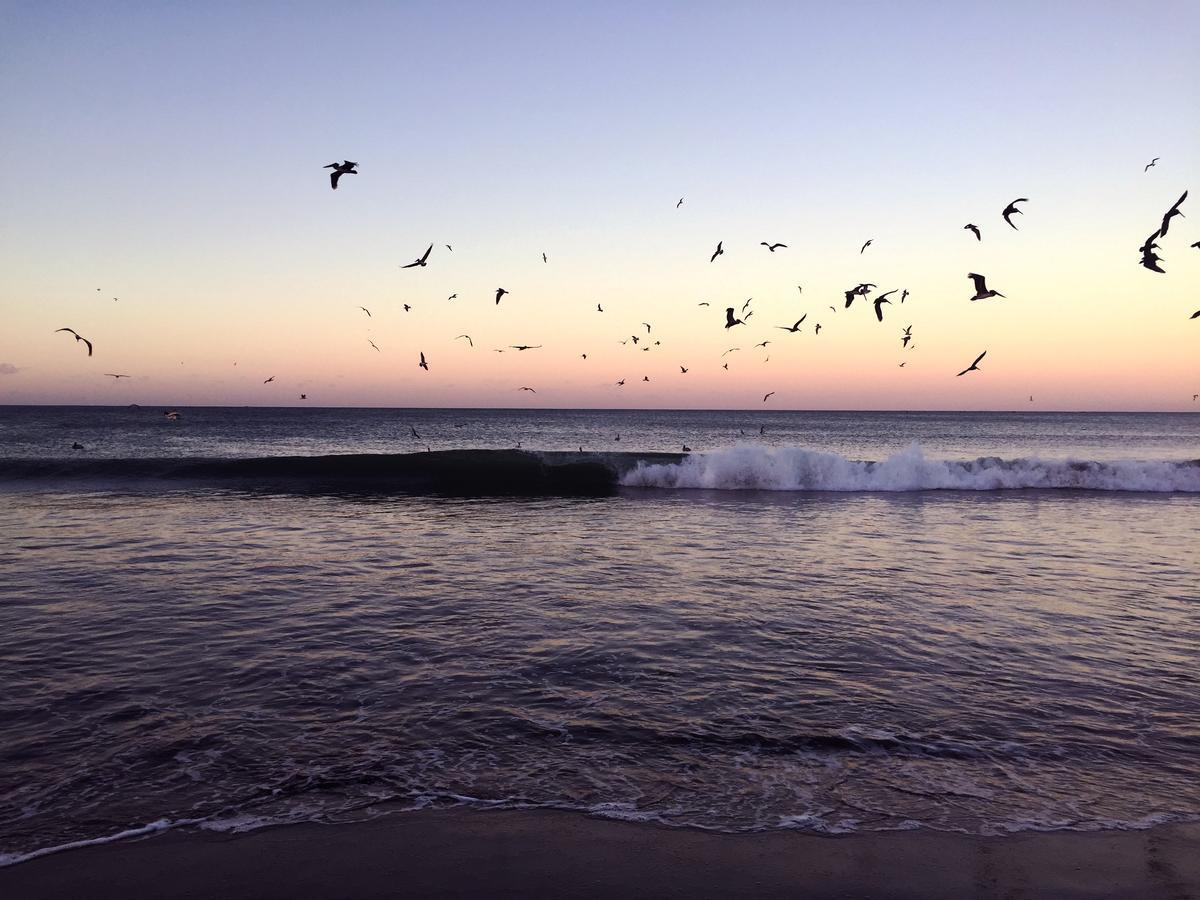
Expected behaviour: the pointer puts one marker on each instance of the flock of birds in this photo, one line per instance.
(734, 318)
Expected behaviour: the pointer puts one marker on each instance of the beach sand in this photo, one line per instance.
(462, 853)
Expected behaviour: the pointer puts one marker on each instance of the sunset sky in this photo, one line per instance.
(171, 155)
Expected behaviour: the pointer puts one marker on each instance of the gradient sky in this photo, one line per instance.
(171, 154)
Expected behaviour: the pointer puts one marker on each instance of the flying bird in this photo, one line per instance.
(717, 252)
(865, 246)
(414, 432)
(304, 396)
(269, 380)
(367, 311)
(730, 321)
(880, 300)
(531, 390)
(704, 303)
(645, 378)
(114, 375)
(1012, 208)
(973, 367)
(860, 291)
(730, 350)
(683, 371)
(621, 383)
(599, 308)
(975, 229)
(544, 258)
(500, 292)
(339, 169)
(422, 364)
(1172, 213)
(794, 328)
(1151, 163)
(407, 308)
(78, 337)
(524, 346)
(766, 397)
(772, 247)
(903, 295)
(982, 291)
(907, 336)
(635, 339)
(373, 344)
(763, 344)
(420, 260)
(647, 324)
(817, 328)
(452, 297)
(468, 337)
(448, 247)
(679, 204)
(1195, 315)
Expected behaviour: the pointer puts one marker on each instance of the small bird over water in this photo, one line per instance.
(420, 260)
(973, 367)
(339, 169)
(78, 337)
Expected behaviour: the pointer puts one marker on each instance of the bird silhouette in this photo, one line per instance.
(645, 378)
(78, 337)
(793, 328)
(730, 321)
(907, 337)
(269, 380)
(621, 383)
(1172, 213)
(704, 303)
(420, 260)
(717, 252)
(767, 397)
(367, 311)
(679, 204)
(422, 364)
(687, 449)
(683, 371)
(973, 367)
(599, 308)
(1012, 208)
(544, 258)
(524, 346)
(407, 308)
(981, 289)
(763, 344)
(453, 297)
(904, 295)
(531, 390)
(468, 337)
(880, 300)
(373, 344)
(860, 291)
(339, 169)
(1195, 315)
(114, 375)
(975, 229)
(647, 324)
(772, 247)
(1151, 163)
(500, 292)
(414, 432)
(865, 246)
(817, 328)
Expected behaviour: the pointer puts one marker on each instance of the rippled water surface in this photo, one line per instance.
(739, 660)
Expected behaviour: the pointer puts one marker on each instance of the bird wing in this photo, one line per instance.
(425, 255)
(411, 264)
(86, 341)
(333, 178)
(978, 358)
(980, 283)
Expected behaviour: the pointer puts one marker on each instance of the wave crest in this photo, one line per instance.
(797, 469)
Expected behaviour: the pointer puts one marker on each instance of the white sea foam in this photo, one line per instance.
(797, 469)
(11, 859)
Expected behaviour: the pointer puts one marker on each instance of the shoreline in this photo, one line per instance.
(532, 853)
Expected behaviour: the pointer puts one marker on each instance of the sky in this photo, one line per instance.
(170, 156)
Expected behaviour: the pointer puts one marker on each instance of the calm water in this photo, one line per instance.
(187, 651)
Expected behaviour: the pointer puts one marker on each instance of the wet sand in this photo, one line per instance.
(458, 853)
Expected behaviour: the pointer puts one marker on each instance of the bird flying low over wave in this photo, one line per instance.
(973, 367)
(794, 328)
(78, 337)
(1151, 163)
(339, 169)
(772, 247)
(730, 321)
(500, 292)
(975, 230)
(1012, 208)
(468, 337)
(422, 364)
(114, 375)
(981, 289)
(717, 252)
(420, 260)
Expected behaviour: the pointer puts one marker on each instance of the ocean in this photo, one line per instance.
(835, 622)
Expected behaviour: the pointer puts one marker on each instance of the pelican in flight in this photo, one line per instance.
(1012, 208)
(78, 337)
(973, 367)
(982, 291)
(730, 321)
(339, 169)
(420, 260)
(880, 300)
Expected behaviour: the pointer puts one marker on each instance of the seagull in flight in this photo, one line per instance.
(531, 390)
(78, 337)
(339, 169)
(420, 260)
(1195, 315)
(1151, 163)
(468, 337)
(367, 311)
(981, 289)
(524, 346)
(973, 367)
(414, 432)
(269, 380)
(860, 291)
(772, 247)
(717, 252)
(114, 375)
(599, 308)
(730, 321)
(903, 295)
(865, 246)
(817, 329)
(453, 297)
(974, 229)
(621, 383)
(647, 324)
(500, 292)
(907, 336)
(1012, 208)
(422, 364)
(767, 397)
(679, 204)
(880, 300)
(407, 308)
(1172, 213)
(763, 344)
(684, 371)
(448, 247)
(373, 344)
(794, 328)
(730, 350)
(544, 258)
